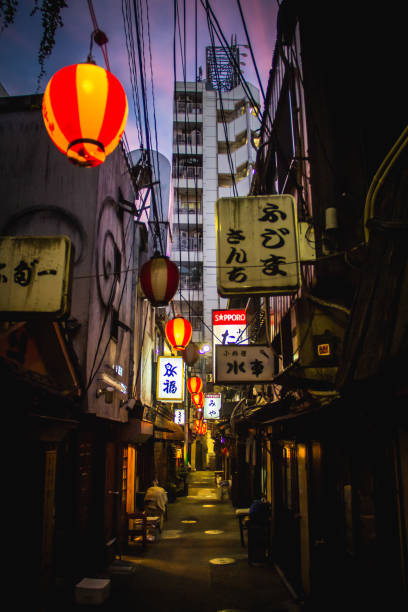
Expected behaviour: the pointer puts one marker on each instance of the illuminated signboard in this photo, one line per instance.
(229, 327)
(212, 405)
(257, 245)
(179, 416)
(170, 379)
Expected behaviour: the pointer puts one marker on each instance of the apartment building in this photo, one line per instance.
(214, 125)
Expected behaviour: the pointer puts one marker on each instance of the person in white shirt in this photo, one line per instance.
(155, 502)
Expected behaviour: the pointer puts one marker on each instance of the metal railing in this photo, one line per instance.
(191, 172)
(188, 107)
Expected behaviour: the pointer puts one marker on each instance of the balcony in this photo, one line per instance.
(187, 172)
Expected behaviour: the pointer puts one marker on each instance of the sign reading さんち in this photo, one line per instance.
(257, 245)
(170, 379)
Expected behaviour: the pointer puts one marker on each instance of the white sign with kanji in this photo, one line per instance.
(179, 416)
(170, 379)
(257, 245)
(212, 405)
(253, 363)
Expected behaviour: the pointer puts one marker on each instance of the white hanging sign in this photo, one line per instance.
(170, 379)
(179, 416)
(212, 405)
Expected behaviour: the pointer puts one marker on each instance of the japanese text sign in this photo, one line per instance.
(179, 416)
(170, 379)
(212, 405)
(257, 245)
(237, 364)
(34, 276)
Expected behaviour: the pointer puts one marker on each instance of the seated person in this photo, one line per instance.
(155, 502)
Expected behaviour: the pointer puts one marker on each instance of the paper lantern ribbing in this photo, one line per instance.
(178, 333)
(159, 279)
(85, 111)
(194, 384)
(198, 399)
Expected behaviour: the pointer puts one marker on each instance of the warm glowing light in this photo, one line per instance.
(85, 111)
(178, 333)
(198, 399)
(194, 384)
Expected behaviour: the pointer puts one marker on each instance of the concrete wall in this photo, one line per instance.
(42, 193)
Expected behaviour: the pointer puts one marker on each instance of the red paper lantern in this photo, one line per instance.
(85, 111)
(200, 426)
(191, 354)
(178, 333)
(159, 279)
(198, 399)
(194, 384)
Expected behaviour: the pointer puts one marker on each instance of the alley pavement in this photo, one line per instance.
(197, 564)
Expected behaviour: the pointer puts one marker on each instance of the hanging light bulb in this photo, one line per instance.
(85, 111)
(178, 333)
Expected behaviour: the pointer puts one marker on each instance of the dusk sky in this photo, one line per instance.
(19, 44)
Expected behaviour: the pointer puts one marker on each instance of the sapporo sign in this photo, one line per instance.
(236, 364)
(34, 276)
(257, 245)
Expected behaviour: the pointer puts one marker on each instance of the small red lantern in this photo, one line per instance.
(194, 384)
(200, 426)
(198, 399)
(178, 333)
(159, 279)
(85, 111)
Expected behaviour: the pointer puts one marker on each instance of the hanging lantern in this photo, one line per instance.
(85, 111)
(198, 399)
(191, 354)
(159, 279)
(194, 384)
(178, 333)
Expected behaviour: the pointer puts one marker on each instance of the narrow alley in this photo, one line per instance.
(197, 564)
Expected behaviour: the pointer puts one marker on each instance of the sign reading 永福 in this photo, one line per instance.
(170, 379)
(257, 245)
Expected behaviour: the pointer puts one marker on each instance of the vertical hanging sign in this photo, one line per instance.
(170, 379)
(257, 245)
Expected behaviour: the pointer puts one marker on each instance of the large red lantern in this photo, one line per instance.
(178, 333)
(85, 111)
(159, 278)
(194, 384)
(198, 399)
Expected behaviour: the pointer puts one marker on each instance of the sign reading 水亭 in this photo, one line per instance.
(212, 405)
(257, 245)
(253, 363)
(34, 276)
(179, 416)
(170, 379)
